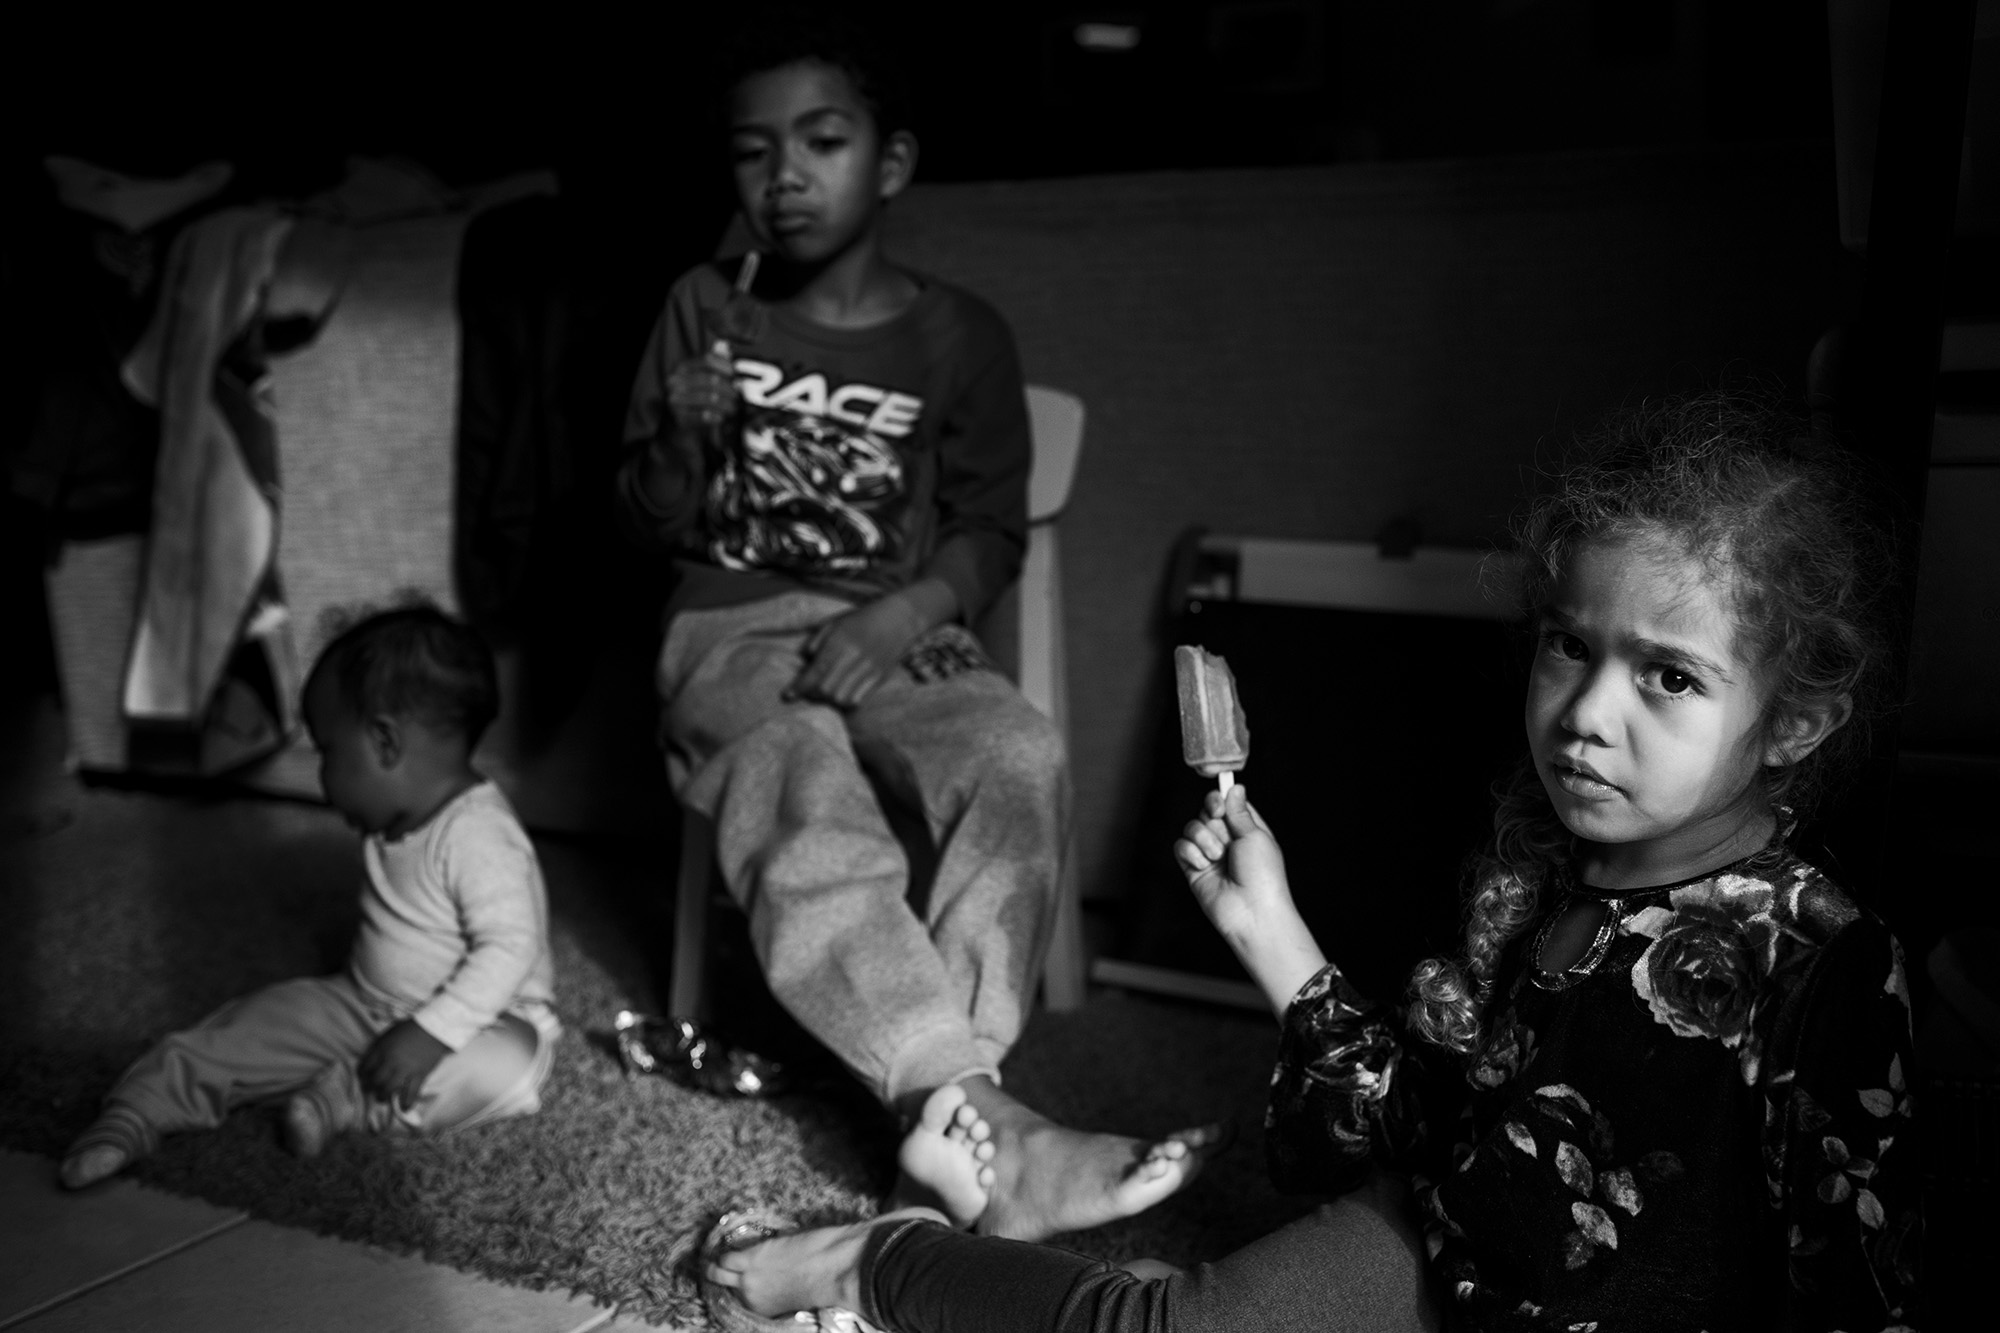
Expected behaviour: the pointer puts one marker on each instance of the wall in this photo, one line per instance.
(1311, 352)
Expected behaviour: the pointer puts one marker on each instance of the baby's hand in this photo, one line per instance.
(395, 1067)
(701, 390)
(1233, 865)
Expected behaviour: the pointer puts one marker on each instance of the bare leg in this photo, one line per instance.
(1050, 1179)
(1150, 1269)
(947, 1158)
(807, 1270)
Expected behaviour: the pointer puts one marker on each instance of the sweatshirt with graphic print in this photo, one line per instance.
(858, 461)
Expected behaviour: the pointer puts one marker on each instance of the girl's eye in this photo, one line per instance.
(1565, 645)
(826, 144)
(1674, 682)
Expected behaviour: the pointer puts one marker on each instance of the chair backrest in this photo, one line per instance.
(1055, 420)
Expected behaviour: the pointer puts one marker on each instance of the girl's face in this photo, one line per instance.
(1643, 720)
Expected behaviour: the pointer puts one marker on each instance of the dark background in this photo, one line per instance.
(615, 103)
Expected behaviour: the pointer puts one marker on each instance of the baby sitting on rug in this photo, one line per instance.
(443, 1018)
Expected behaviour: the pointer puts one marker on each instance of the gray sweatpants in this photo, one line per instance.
(908, 1003)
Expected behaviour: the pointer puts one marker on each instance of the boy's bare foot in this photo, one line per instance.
(947, 1158)
(89, 1165)
(807, 1270)
(1050, 1179)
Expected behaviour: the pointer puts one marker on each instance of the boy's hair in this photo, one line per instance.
(1788, 526)
(415, 662)
(774, 36)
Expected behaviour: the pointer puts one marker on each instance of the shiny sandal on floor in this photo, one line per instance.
(739, 1231)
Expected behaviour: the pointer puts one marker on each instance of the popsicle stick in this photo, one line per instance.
(1224, 781)
(746, 274)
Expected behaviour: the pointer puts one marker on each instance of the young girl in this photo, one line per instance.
(1667, 1084)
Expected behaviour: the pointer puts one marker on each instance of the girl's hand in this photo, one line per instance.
(1238, 875)
(701, 391)
(1233, 864)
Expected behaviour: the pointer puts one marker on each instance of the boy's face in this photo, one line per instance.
(358, 778)
(812, 170)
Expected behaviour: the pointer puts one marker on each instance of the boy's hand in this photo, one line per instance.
(395, 1067)
(701, 391)
(1238, 874)
(849, 656)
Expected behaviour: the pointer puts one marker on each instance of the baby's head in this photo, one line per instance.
(1732, 508)
(396, 704)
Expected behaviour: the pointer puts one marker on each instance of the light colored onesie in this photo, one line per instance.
(454, 935)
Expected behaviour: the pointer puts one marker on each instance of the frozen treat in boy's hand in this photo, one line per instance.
(1215, 737)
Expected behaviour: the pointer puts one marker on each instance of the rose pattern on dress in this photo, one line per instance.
(1843, 1173)
(1583, 1157)
(1757, 959)
(1715, 955)
(1509, 1050)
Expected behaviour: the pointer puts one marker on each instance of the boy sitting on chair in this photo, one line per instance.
(443, 1018)
(835, 451)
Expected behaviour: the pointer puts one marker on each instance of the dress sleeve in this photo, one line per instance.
(1344, 1090)
(1840, 1159)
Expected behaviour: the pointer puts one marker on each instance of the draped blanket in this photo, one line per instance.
(211, 652)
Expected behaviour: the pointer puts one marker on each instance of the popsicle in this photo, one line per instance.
(732, 322)
(737, 316)
(1215, 736)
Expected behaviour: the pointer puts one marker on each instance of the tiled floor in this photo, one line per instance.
(121, 1258)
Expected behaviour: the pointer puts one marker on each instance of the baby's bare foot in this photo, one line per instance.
(807, 1270)
(92, 1164)
(115, 1140)
(947, 1158)
(1052, 1179)
(305, 1127)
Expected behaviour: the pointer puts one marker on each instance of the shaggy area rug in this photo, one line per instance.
(127, 915)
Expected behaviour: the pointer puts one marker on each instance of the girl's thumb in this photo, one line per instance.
(1238, 815)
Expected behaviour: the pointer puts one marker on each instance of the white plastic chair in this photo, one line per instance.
(1031, 614)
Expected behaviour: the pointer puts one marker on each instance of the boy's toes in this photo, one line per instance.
(942, 1109)
(1203, 1140)
(946, 1159)
(92, 1165)
(968, 1127)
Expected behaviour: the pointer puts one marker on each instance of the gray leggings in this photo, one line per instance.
(1355, 1263)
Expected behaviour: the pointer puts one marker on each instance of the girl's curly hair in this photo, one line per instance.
(1789, 527)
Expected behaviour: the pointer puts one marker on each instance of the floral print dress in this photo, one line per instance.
(1704, 1125)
